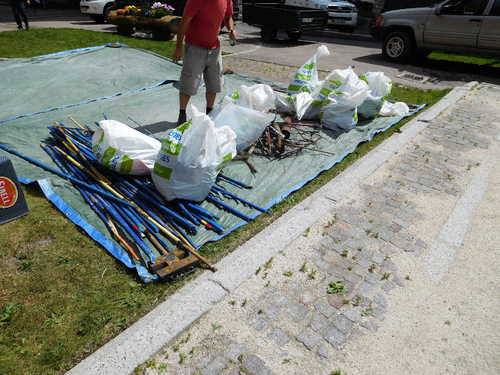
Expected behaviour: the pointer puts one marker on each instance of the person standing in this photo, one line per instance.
(200, 26)
(19, 10)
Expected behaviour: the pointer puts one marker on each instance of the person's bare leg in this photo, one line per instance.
(210, 96)
(183, 102)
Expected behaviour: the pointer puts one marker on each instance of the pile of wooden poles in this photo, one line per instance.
(130, 206)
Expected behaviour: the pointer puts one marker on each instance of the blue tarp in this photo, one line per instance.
(139, 89)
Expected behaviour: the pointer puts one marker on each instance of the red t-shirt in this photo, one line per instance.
(207, 16)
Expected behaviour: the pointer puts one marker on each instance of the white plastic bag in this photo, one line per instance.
(295, 105)
(284, 104)
(331, 83)
(190, 157)
(340, 109)
(258, 97)
(379, 86)
(394, 109)
(247, 123)
(124, 149)
(302, 102)
(306, 78)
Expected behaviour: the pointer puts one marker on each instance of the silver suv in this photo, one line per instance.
(463, 26)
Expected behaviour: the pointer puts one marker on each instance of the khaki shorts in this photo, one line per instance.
(197, 62)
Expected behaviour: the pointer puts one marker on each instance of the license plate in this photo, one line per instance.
(307, 19)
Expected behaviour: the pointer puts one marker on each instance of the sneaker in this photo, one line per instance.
(19, 27)
(27, 27)
(182, 119)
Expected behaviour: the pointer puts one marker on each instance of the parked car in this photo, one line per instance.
(342, 15)
(98, 10)
(463, 26)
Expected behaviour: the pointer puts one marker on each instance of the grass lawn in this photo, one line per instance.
(55, 308)
(492, 62)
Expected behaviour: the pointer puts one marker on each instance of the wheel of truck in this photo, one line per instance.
(397, 46)
(106, 12)
(348, 29)
(99, 18)
(268, 33)
(294, 35)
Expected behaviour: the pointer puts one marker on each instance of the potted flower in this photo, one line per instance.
(157, 18)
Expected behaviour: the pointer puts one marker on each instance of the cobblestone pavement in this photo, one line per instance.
(334, 285)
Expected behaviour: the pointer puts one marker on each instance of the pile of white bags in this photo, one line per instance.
(123, 149)
(340, 98)
(190, 157)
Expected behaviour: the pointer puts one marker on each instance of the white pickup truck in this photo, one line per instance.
(463, 26)
(342, 15)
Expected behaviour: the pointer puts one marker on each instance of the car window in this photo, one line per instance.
(465, 7)
(495, 9)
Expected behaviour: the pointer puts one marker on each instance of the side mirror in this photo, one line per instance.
(439, 9)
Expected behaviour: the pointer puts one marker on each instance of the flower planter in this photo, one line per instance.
(162, 28)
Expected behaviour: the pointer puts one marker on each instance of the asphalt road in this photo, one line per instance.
(357, 50)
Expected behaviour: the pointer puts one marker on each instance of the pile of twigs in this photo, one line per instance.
(284, 139)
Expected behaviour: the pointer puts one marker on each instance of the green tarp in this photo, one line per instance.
(139, 89)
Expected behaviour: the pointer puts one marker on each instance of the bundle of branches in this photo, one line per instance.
(284, 139)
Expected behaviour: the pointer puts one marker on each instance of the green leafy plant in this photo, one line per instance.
(303, 268)
(312, 275)
(8, 312)
(162, 367)
(182, 357)
(269, 263)
(337, 287)
(288, 273)
(151, 363)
